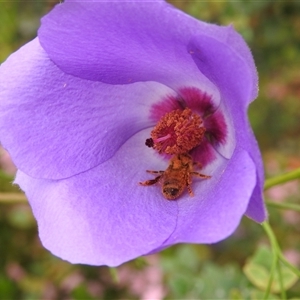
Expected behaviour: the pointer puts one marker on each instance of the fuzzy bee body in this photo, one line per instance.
(176, 177)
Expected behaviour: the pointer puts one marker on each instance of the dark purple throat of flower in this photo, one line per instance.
(190, 128)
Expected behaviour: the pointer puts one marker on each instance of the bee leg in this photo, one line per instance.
(151, 181)
(154, 172)
(190, 191)
(189, 186)
(200, 175)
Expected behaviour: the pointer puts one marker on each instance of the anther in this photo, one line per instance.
(178, 131)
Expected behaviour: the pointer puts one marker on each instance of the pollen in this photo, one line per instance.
(178, 131)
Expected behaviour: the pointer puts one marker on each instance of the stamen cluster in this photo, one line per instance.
(178, 131)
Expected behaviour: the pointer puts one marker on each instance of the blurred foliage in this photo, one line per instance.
(28, 271)
(257, 270)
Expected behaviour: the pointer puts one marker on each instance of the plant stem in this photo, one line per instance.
(282, 178)
(114, 274)
(11, 198)
(283, 205)
(278, 254)
(279, 272)
(274, 247)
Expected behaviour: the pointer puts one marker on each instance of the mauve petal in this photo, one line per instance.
(222, 115)
(56, 125)
(239, 46)
(103, 216)
(256, 210)
(215, 212)
(89, 1)
(120, 43)
(235, 79)
(225, 67)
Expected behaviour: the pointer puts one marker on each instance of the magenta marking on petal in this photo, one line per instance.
(213, 119)
(204, 153)
(166, 105)
(216, 128)
(191, 97)
(197, 100)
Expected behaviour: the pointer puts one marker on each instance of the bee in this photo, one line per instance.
(176, 177)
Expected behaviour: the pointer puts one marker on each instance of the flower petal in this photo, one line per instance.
(236, 82)
(120, 43)
(225, 67)
(256, 209)
(216, 212)
(56, 125)
(103, 216)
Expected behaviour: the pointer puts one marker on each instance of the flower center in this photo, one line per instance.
(178, 131)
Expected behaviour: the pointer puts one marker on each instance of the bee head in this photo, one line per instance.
(172, 190)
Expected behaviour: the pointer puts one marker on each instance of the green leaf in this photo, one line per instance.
(258, 267)
(256, 294)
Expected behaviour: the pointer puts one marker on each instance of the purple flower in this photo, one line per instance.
(78, 103)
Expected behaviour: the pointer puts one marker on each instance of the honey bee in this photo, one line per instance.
(176, 177)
